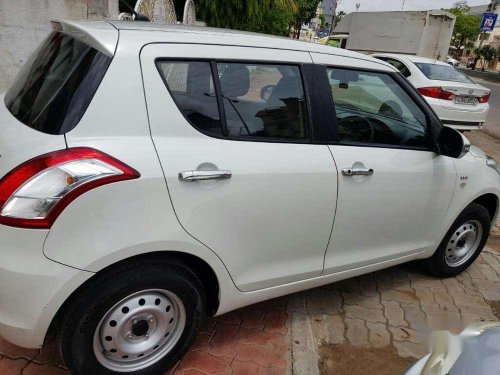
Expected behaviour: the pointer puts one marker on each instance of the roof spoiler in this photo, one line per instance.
(100, 35)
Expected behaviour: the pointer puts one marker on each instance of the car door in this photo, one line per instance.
(393, 190)
(234, 140)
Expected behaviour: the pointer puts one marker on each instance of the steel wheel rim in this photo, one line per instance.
(463, 243)
(139, 330)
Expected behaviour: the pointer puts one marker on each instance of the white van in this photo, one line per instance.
(153, 175)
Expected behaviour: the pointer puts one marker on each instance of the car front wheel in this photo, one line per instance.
(462, 244)
(140, 318)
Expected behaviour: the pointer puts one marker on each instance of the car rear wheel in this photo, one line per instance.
(138, 319)
(462, 244)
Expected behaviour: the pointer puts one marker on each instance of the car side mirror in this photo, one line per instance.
(266, 91)
(452, 143)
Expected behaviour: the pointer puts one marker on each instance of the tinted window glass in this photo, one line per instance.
(443, 72)
(192, 88)
(54, 88)
(263, 100)
(372, 108)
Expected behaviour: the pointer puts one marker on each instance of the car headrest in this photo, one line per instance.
(235, 81)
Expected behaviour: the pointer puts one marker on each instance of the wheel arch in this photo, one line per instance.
(490, 202)
(200, 267)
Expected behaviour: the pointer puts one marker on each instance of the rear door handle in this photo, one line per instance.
(356, 171)
(204, 175)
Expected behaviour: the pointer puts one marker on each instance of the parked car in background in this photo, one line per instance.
(476, 350)
(451, 61)
(458, 101)
(153, 175)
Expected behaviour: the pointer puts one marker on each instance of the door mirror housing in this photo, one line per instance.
(452, 143)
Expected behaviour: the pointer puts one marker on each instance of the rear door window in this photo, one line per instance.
(192, 87)
(263, 100)
(54, 88)
(239, 100)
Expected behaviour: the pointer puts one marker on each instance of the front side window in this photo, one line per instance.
(55, 86)
(191, 85)
(372, 108)
(263, 100)
(443, 72)
(398, 65)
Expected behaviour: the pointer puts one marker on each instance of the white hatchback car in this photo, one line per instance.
(458, 101)
(153, 175)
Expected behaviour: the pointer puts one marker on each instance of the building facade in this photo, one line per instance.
(25, 23)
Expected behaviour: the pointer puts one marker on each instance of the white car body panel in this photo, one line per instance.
(450, 113)
(286, 193)
(127, 119)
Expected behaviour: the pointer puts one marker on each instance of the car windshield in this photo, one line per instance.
(54, 88)
(443, 72)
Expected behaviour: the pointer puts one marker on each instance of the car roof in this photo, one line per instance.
(412, 58)
(151, 32)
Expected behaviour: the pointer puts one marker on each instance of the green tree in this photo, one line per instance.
(338, 17)
(250, 15)
(486, 54)
(306, 10)
(466, 28)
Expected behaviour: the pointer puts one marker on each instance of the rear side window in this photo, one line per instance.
(263, 100)
(54, 88)
(254, 100)
(192, 87)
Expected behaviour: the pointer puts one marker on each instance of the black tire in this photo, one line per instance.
(103, 291)
(437, 264)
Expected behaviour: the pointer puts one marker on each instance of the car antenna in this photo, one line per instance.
(137, 16)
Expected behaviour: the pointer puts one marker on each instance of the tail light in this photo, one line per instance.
(436, 93)
(484, 99)
(34, 194)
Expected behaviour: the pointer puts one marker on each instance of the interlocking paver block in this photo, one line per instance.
(378, 335)
(396, 295)
(371, 302)
(323, 301)
(224, 340)
(206, 362)
(34, 369)
(10, 366)
(12, 351)
(262, 356)
(357, 333)
(369, 315)
(404, 334)
(443, 300)
(394, 313)
(410, 349)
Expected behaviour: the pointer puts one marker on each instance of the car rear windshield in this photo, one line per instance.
(54, 88)
(443, 73)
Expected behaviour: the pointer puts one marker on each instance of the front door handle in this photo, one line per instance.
(204, 175)
(356, 171)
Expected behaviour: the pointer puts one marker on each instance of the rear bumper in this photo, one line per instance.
(32, 287)
(460, 118)
(463, 125)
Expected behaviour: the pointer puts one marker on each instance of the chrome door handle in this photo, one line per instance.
(357, 171)
(204, 175)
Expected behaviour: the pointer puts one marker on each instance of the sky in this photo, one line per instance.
(380, 5)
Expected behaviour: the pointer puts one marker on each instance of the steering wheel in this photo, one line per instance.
(356, 127)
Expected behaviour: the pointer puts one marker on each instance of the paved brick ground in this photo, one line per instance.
(401, 305)
(254, 340)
